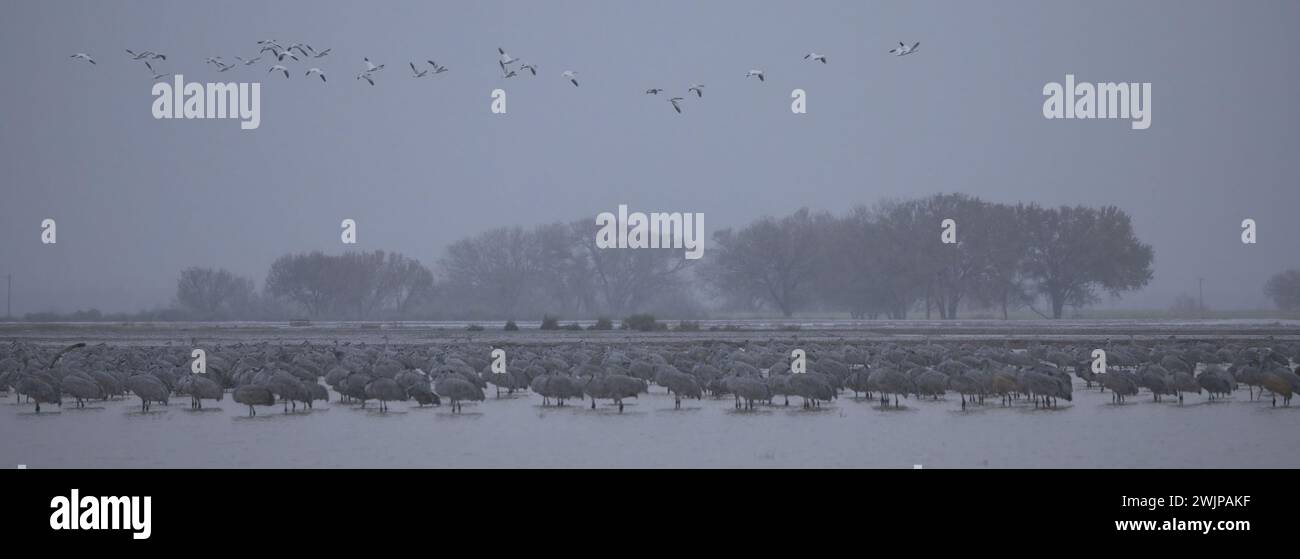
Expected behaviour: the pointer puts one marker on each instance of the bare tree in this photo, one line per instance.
(773, 260)
(212, 293)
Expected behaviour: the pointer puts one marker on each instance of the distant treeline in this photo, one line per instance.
(886, 261)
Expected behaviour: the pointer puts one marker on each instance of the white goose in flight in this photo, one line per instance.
(322, 54)
(436, 68)
(755, 74)
(506, 58)
(83, 56)
(317, 72)
(698, 89)
(145, 54)
(904, 50)
(653, 91)
(250, 61)
(675, 101)
(418, 73)
(370, 66)
(530, 67)
(366, 76)
(280, 68)
(571, 76)
(814, 56)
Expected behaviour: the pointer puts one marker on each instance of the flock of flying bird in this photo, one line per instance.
(751, 373)
(510, 66)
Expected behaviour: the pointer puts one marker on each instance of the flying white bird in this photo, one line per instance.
(280, 68)
(653, 91)
(366, 76)
(675, 101)
(530, 68)
(698, 89)
(322, 54)
(223, 66)
(213, 60)
(505, 58)
(814, 56)
(145, 54)
(904, 50)
(571, 76)
(317, 72)
(418, 73)
(436, 68)
(280, 55)
(83, 56)
(370, 66)
(510, 74)
(302, 48)
(755, 74)
(270, 43)
(250, 61)
(156, 74)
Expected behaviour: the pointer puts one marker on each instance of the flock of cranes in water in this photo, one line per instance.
(278, 56)
(750, 373)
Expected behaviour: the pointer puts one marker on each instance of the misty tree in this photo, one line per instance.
(566, 277)
(355, 285)
(498, 268)
(1074, 251)
(1284, 290)
(960, 268)
(771, 260)
(629, 280)
(405, 284)
(850, 272)
(301, 279)
(211, 293)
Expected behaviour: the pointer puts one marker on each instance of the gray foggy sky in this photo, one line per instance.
(420, 163)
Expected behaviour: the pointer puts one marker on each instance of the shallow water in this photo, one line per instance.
(518, 432)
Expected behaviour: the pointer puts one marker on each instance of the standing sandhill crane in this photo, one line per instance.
(457, 389)
(1046, 387)
(812, 387)
(929, 382)
(1181, 382)
(1121, 384)
(1281, 382)
(254, 395)
(556, 387)
(385, 390)
(149, 389)
(1216, 381)
(199, 388)
(887, 381)
(82, 388)
(748, 390)
(1155, 379)
(680, 384)
(969, 384)
(39, 390)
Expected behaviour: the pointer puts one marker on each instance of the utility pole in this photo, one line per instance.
(1200, 287)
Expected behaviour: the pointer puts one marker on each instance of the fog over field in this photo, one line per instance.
(420, 164)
